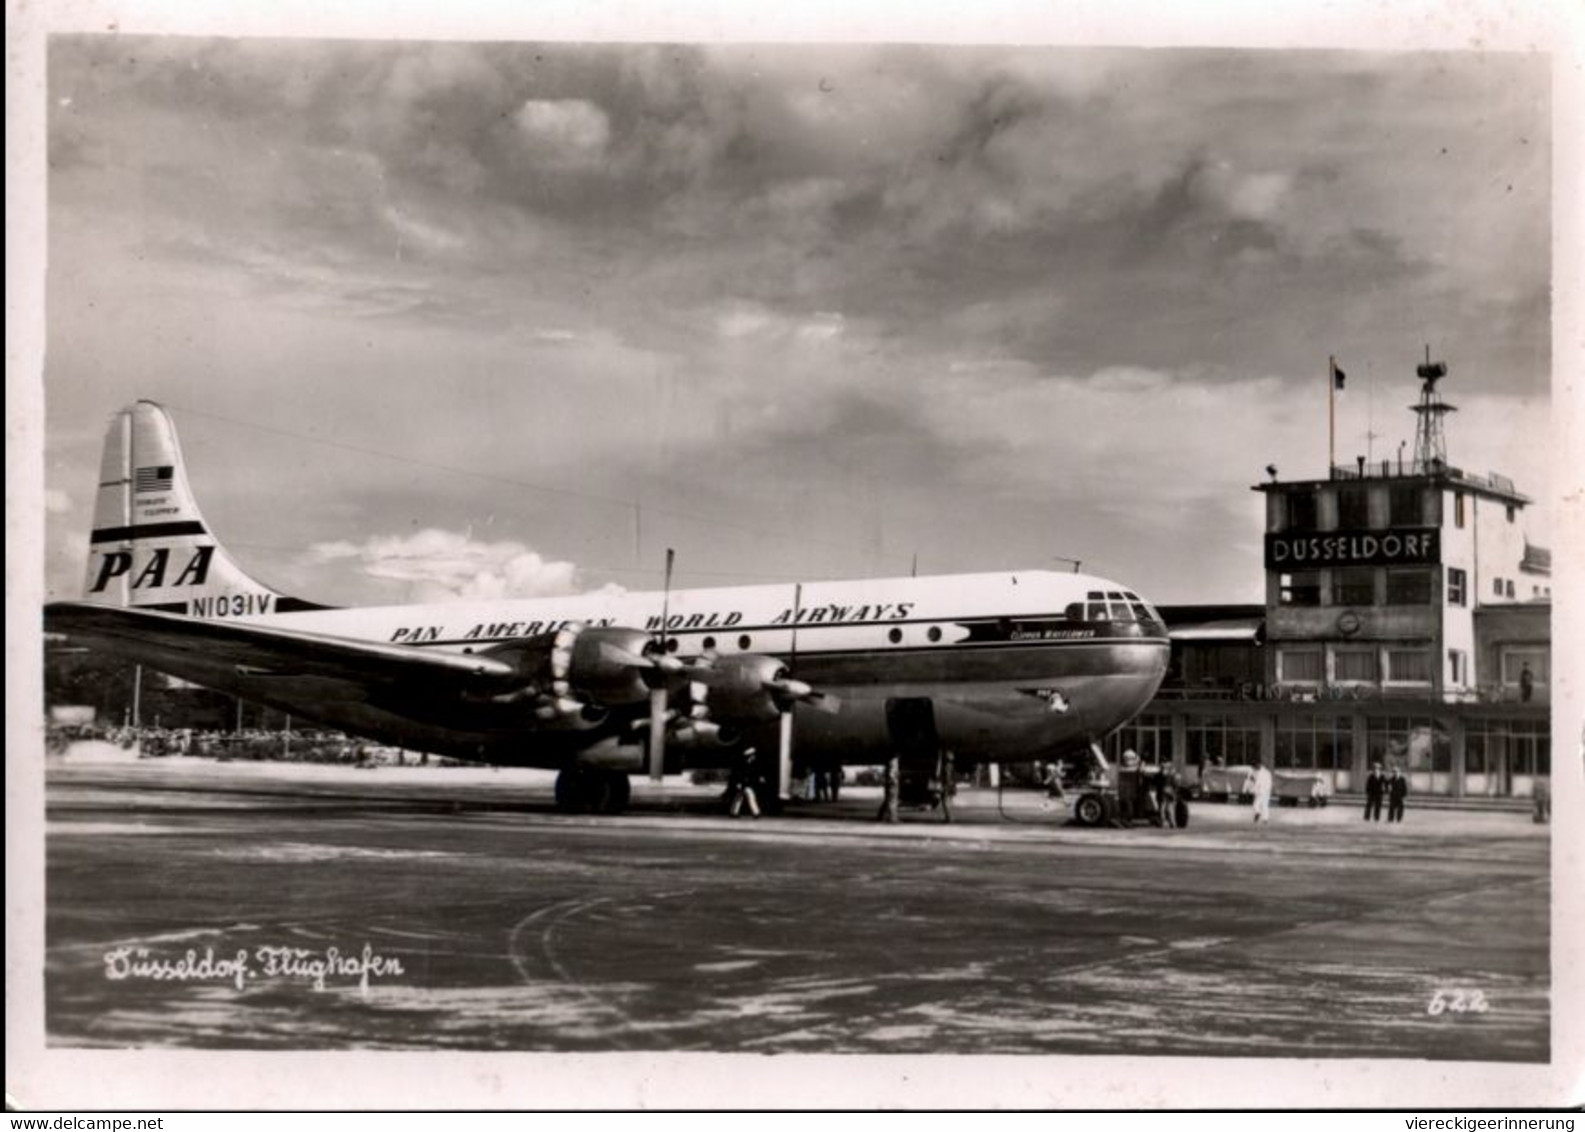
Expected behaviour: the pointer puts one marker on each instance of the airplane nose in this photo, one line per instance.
(1130, 692)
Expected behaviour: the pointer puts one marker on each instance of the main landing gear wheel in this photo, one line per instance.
(589, 790)
(1089, 810)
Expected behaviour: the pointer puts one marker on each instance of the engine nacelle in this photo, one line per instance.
(579, 670)
(740, 690)
(606, 665)
(702, 735)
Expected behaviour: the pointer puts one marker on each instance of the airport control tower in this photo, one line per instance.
(1379, 576)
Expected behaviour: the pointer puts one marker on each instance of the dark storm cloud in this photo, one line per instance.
(890, 258)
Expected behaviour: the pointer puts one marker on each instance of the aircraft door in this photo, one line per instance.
(911, 729)
(911, 733)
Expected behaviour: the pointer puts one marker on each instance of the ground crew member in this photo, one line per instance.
(1167, 797)
(745, 778)
(1375, 784)
(949, 785)
(893, 781)
(1397, 791)
(1262, 792)
(1128, 788)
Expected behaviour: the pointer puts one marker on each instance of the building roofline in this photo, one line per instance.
(1493, 486)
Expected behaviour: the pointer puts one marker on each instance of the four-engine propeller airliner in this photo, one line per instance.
(1007, 667)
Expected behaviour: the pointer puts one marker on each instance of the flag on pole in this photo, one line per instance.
(1338, 376)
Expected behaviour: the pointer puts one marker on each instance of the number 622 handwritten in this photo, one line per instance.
(1457, 1002)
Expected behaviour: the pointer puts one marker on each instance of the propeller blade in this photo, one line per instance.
(657, 734)
(791, 689)
(797, 691)
(784, 757)
(825, 702)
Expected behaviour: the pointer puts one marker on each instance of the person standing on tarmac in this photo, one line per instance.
(1262, 792)
(1128, 788)
(949, 785)
(745, 779)
(892, 782)
(1397, 791)
(1375, 785)
(1167, 796)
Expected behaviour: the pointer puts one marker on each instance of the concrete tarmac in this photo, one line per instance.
(287, 906)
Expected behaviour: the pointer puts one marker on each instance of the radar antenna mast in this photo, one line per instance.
(1430, 435)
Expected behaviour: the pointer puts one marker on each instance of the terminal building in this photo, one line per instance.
(1407, 621)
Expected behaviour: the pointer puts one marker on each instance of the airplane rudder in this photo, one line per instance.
(150, 546)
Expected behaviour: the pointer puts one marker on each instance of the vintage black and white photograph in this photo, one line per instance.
(664, 545)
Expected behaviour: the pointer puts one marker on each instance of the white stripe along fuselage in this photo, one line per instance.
(986, 649)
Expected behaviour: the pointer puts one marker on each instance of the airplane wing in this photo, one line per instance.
(198, 650)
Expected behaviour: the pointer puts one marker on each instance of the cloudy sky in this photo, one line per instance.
(485, 319)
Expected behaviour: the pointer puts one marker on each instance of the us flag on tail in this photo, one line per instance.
(147, 480)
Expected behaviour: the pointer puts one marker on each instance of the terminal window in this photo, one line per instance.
(1458, 509)
(1531, 750)
(1415, 744)
(1354, 665)
(1353, 508)
(1301, 589)
(1505, 747)
(1150, 736)
(1354, 587)
(1457, 586)
(1408, 666)
(1233, 739)
(1302, 514)
(1299, 666)
(1515, 661)
(1404, 506)
(1315, 742)
(1408, 587)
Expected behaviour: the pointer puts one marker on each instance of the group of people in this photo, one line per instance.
(1393, 786)
(748, 781)
(824, 783)
(1149, 792)
(1146, 791)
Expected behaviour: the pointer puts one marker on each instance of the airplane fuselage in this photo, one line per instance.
(1003, 666)
(1015, 666)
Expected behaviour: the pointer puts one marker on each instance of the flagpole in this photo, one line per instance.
(1331, 414)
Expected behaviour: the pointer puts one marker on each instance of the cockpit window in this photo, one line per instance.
(1113, 605)
(1143, 610)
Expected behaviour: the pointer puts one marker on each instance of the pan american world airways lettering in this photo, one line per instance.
(677, 622)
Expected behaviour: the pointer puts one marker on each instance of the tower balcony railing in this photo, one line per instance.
(1390, 469)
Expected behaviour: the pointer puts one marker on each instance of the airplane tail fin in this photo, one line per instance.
(150, 547)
